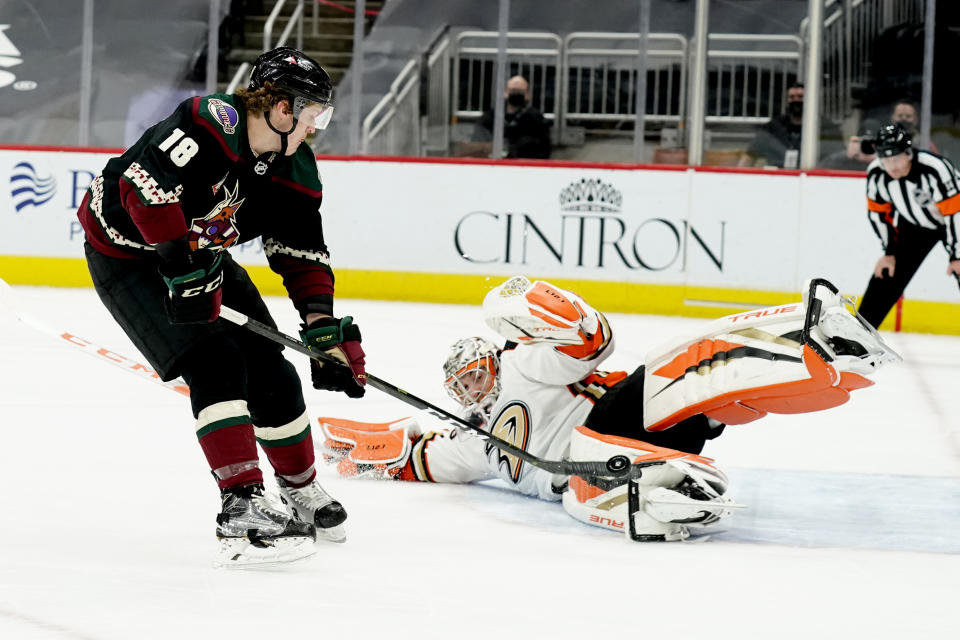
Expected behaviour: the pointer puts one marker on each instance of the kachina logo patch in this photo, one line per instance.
(30, 189)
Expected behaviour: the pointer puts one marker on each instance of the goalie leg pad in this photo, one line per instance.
(795, 358)
(684, 489)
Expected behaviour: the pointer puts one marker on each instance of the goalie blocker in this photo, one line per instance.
(793, 358)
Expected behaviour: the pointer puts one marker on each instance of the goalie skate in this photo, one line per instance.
(253, 532)
(313, 505)
(677, 492)
(694, 502)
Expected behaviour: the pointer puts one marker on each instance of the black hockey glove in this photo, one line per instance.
(194, 280)
(340, 338)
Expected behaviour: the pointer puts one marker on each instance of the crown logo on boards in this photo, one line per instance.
(590, 195)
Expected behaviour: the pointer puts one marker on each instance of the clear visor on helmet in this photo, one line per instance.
(314, 115)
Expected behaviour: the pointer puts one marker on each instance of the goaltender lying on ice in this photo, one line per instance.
(542, 392)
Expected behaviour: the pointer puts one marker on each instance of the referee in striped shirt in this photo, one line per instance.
(913, 197)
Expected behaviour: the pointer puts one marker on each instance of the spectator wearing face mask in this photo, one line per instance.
(526, 133)
(904, 112)
(777, 143)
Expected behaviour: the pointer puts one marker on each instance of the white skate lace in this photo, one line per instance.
(265, 505)
(311, 496)
(259, 513)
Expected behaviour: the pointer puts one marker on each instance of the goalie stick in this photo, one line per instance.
(9, 301)
(618, 466)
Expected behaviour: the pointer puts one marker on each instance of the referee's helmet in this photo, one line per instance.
(892, 140)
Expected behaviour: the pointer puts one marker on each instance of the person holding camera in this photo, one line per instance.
(526, 133)
(777, 143)
(857, 156)
(912, 200)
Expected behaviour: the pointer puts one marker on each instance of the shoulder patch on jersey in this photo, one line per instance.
(221, 117)
(224, 114)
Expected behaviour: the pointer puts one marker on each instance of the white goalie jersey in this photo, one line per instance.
(549, 385)
(795, 358)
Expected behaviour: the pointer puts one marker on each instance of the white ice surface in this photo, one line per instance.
(107, 517)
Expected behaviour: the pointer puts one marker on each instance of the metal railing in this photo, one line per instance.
(868, 19)
(534, 55)
(748, 75)
(591, 77)
(586, 77)
(850, 32)
(436, 98)
(393, 126)
(295, 21)
(600, 76)
(835, 90)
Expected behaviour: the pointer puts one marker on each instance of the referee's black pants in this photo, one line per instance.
(913, 245)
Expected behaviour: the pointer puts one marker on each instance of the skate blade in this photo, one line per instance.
(332, 534)
(240, 553)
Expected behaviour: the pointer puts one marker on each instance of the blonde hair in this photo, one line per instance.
(257, 101)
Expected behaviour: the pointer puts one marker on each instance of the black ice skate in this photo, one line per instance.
(312, 504)
(252, 531)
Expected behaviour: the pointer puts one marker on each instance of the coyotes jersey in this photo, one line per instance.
(545, 393)
(195, 174)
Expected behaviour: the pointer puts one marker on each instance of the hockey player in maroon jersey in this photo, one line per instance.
(542, 392)
(159, 221)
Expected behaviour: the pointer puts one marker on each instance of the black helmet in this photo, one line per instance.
(300, 77)
(892, 140)
(292, 72)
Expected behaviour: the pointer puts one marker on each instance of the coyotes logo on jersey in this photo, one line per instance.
(218, 230)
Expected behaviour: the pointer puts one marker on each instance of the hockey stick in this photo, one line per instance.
(9, 301)
(618, 466)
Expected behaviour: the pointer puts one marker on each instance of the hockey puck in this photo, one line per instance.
(618, 465)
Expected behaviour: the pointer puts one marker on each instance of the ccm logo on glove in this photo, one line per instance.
(194, 279)
(209, 288)
(340, 338)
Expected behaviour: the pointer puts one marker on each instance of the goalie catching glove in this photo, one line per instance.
(361, 449)
(340, 338)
